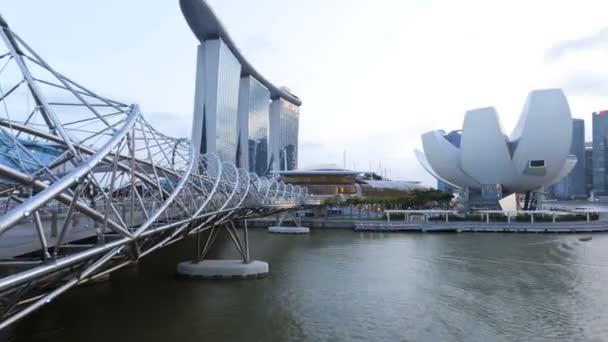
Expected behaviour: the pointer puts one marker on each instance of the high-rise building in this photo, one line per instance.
(254, 105)
(588, 167)
(600, 136)
(232, 118)
(574, 184)
(216, 98)
(284, 123)
(454, 138)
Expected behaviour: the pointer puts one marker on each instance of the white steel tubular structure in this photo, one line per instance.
(87, 186)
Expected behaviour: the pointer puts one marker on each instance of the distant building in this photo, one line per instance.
(254, 111)
(232, 102)
(330, 182)
(600, 134)
(214, 129)
(574, 184)
(454, 138)
(284, 125)
(588, 167)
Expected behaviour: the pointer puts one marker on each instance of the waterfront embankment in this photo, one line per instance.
(454, 227)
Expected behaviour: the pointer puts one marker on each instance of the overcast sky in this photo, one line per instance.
(373, 74)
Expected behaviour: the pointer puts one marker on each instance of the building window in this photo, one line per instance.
(537, 163)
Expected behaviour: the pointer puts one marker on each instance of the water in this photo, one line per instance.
(341, 285)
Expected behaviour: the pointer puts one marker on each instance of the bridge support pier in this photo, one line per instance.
(222, 269)
(204, 268)
(298, 229)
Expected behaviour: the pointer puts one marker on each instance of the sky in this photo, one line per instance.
(373, 74)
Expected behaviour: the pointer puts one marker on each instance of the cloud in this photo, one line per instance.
(175, 125)
(559, 50)
(586, 83)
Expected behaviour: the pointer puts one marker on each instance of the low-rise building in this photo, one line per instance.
(327, 183)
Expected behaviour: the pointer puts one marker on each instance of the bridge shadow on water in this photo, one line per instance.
(149, 302)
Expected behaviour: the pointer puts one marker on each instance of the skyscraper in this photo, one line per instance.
(232, 118)
(588, 167)
(284, 125)
(216, 98)
(254, 102)
(574, 184)
(600, 134)
(454, 138)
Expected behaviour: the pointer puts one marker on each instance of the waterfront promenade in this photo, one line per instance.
(491, 227)
(567, 220)
(441, 226)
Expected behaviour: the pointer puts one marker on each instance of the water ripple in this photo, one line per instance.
(338, 285)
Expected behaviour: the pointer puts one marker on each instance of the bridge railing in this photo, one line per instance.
(69, 155)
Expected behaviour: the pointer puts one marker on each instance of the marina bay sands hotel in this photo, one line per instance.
(238, 114)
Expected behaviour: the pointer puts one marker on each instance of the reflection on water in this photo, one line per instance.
(342, 285)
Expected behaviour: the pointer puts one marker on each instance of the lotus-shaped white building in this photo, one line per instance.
(536, 153)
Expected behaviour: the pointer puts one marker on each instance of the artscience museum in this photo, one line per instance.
(490, 165)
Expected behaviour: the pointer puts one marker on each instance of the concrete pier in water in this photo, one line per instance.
(231, 269)
(288, 230)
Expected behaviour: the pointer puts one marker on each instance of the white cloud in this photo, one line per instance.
(373, 75)
(585, 43)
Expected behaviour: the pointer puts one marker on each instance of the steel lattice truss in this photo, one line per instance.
(92, 186)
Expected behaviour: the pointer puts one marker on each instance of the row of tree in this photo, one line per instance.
(394, 199)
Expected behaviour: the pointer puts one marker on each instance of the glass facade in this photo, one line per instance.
(324, 184)
(574, 184)
(259, 103)
(600, 134)
(588, 167)
(234, 117)
(331, 189)
(577, 176)
(288, 136)
(228, 79)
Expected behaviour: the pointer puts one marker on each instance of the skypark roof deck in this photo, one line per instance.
(205, 25)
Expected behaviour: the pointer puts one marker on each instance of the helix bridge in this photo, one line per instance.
(88, 186)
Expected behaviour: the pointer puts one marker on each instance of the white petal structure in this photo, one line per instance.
(536, 154)
(445, 159)
(484, 151)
